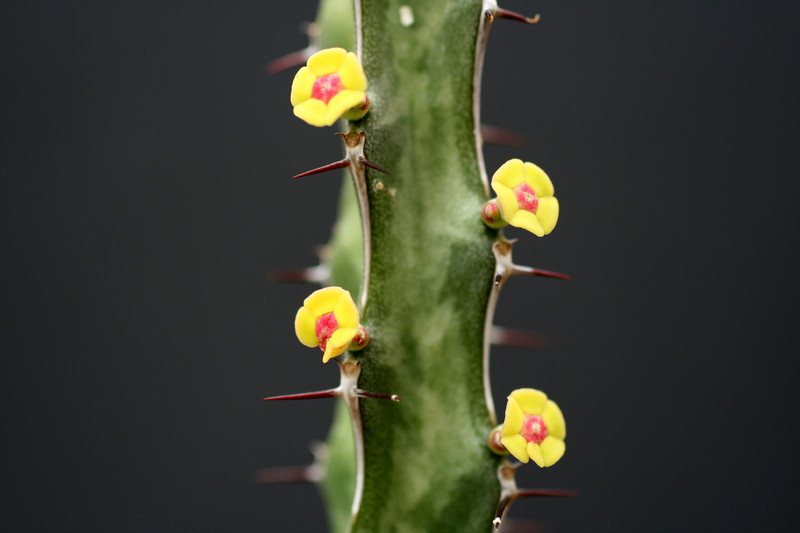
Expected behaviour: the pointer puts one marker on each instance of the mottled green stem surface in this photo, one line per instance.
(426, 463)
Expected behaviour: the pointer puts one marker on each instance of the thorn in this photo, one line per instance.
(518, 526)
(508, 499)
(291, 474)
(361, 393)
(363, 160)
(315, 274)
(499, 12)
(519, 269)
(501, 136)
(545, 493)
(501, 509)
(330, 393)
(288, 61)
(517, 338)
(344, 163)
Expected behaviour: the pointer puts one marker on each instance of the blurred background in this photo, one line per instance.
(145, 178)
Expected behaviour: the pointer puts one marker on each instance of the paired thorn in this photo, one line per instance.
(506, 267)
(361, 393)
(330, 393)
(291, 474)
(364, 161)
(545, 493)
(294, 59)
(502, 136)
(344, 163)
(317, 274)
(508, 499)
(517, 338)
(516, 270)
(528, 271)
(334, 393)
(499, 12)
(353, 139)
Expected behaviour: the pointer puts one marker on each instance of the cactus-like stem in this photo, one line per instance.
(429, 269)
(428, 272)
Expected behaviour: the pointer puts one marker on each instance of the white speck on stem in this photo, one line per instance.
(406, 16)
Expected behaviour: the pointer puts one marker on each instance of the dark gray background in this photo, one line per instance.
(145, 167)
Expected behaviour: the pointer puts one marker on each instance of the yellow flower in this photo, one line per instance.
(525, 196)
(331, 86)
(328, 319)
(534, 428)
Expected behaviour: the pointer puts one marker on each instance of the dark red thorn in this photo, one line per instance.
(331, 393)
(549, 274)
(301, 275)
(501, 508)
(499, 12)
(361, 393)
(517, 269)
(291, 474)
(529, 493)
(370, 164)
(344, 163)
(518, 526)
(501, 136)
(545, 493)
(518, 338)
(288, 61)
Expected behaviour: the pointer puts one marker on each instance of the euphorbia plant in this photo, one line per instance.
(419, 241)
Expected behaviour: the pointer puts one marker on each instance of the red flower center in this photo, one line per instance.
(326, 87)
(526, 197)
(324, 328)
(533, 429)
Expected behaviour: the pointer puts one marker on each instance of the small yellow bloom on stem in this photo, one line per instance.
(525, 197)
(329, 320)
(330, 87)
(534, 428)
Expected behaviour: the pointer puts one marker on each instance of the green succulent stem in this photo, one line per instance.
(427, 272)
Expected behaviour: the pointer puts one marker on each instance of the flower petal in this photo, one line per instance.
(552, 450)
(547, 214)
(338, 343)
(302, 85)
(506, 200)
(535, 451)
(304, 327)
(343, 102)
(352, 74)
(313, 111)
(345, 311)
(517, 446)
(526, 220)
(326, 61)
(510, 174)
(538, 180)
(531, 401)
(554, 420)
(323, 301)
(514, 417)
(342, 338)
